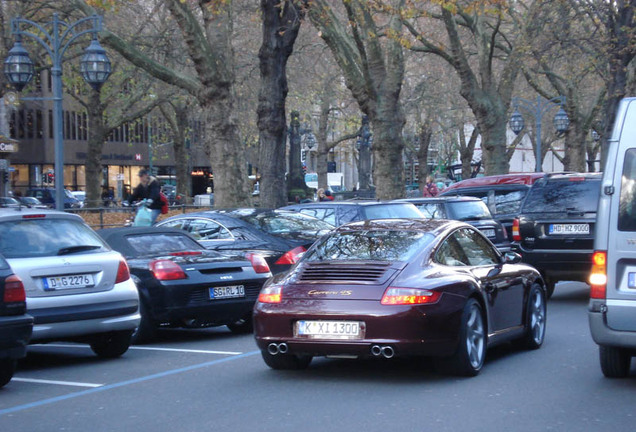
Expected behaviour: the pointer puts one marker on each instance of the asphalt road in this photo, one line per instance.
(212, 380)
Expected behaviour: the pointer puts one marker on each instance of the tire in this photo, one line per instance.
(536, 314)
(7, 369)
(147, 330)
(615, 362)
(286, 361)
(112, 345)
(471, 350)
(241, 326)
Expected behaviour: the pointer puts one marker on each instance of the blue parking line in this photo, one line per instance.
(123, 383)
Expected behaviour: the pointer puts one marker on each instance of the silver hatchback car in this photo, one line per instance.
(77, 288)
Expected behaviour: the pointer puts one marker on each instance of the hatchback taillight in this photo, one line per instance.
(14, 290)
(598, 276)
(164, 269)
(123, 273)
(292, 256)
(516, 236)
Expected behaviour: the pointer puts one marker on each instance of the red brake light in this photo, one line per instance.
(123, 273)
(33, 216)
(406, 296)
(598, 276)
(516, 236)
(258, 262)
(271, 294)
(292, 256)
(164, 269)
(14, 290)
(186, 253)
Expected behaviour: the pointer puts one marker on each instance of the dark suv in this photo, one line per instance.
(555, 228)
(15, 326)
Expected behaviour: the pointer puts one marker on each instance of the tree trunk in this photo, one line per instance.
(281, 23)
(181, 156)
(388, 145)
(295, 177)
(425, 135)
(97, 134)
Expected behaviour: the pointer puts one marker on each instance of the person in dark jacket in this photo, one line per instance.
(149, 189)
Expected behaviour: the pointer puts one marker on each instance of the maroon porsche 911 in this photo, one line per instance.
(400, 287)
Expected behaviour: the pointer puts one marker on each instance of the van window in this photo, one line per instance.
(627, 203)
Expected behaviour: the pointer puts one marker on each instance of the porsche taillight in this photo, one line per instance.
(123, 273)
(164, 270)
(271, 294)
(409, 296)
(598, 276)
(14, 290)
(516, 236)
(292, 256)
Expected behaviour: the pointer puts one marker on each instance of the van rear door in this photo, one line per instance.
(617, 215)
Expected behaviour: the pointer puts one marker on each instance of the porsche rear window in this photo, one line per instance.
(370, 245)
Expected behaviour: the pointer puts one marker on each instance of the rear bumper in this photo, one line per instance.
(603, 335)
(558, 264)
(15, 332)
(427, 330)
(213, 314)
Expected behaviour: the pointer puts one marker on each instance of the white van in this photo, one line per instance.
(612, 308)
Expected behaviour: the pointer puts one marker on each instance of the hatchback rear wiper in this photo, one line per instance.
(79, 248)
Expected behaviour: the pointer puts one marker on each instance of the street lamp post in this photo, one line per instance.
(561, 120)
(296, 178)
(94, 66)
(363, 145)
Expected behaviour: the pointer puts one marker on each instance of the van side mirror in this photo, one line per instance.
(511, 258)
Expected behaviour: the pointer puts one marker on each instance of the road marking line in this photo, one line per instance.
(66, 383)
(123, 383)
(185, 350)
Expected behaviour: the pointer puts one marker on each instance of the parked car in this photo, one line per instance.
(47, 197)
(612, 307)
(77, 288)
(15, 325)
(9, 202)
(31, 202)
(503, 194)
(183, 284)
(341, 212)
(467, 209)
(280, 236)
(80, 196)
(554, 231)
(400, 287)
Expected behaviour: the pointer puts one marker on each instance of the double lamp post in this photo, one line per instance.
(538, 109)
(94, 66)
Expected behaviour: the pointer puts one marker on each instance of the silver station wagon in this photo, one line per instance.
(77, 288)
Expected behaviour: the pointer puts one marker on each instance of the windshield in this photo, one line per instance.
(579, 195)
(27, 238)
(387, 245)
(392, 211)
(468, 210)
(278, 223)
(161, 243)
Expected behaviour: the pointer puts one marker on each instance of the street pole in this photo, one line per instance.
(539, 109)
(95, 68)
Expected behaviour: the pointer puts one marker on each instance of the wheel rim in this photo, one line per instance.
(475, 337)
(537, 316)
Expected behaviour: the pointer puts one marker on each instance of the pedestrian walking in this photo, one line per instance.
(149, 190)
(430, 188)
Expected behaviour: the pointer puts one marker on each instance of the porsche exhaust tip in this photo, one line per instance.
(275, 348)
(388, 352)
(376, 350)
